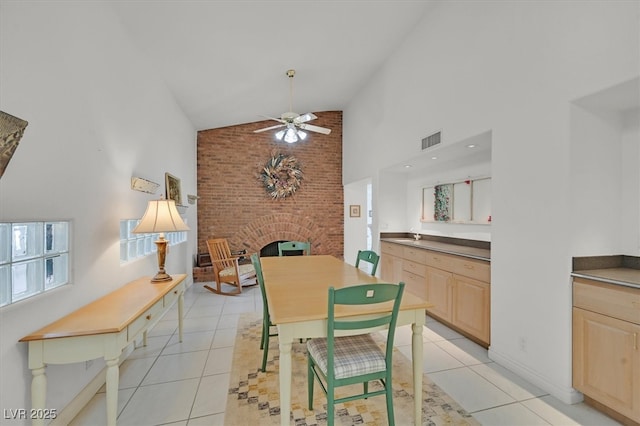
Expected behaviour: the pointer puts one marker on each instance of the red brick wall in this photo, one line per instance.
(234, 204)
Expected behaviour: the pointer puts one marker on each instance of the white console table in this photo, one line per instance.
(102, 329)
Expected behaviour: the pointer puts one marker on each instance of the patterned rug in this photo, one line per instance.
(254, 396)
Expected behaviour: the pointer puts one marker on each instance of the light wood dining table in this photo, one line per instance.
(297, 295)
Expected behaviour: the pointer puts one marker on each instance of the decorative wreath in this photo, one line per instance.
(281, 176)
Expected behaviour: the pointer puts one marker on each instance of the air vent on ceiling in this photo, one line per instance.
(431, 140)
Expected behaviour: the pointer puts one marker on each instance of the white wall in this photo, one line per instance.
(512, 68)
(605, 181)
(356, 237)
(630, 194)
(390, 202)
(97, 116)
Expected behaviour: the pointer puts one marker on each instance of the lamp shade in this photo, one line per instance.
(161, 216)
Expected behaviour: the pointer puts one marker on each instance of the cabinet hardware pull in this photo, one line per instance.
(148, 317)
(635, 341)
(175, 292)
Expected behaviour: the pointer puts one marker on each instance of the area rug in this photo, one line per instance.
(253, 397)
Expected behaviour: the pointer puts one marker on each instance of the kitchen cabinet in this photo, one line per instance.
(413, 275)
(391, 263)
(606, 353)
(440, 293)
(460, 289)
(471, 306)
(457, 286)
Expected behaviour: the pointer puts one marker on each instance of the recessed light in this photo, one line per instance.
(434, 158)
(471, 146)
(407, 166)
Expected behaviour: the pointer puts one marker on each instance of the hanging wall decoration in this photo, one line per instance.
(281, 175)
(11, 131)
(442, 208)
(143, 185)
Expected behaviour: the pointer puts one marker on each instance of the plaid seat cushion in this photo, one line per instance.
(353, 355)
(243, 269)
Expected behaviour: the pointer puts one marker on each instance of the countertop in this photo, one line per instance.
(620, 276)
(455, 249)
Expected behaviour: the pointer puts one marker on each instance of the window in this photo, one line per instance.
(34, 258)
(134, 246)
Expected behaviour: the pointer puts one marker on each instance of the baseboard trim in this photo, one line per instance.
(568, 395)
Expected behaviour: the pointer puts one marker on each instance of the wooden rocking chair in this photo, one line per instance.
(227, 269)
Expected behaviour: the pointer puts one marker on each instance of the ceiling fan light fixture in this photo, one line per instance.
(280, 135)
(290, 136)
(302, 135)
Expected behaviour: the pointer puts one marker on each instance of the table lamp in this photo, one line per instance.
(161, 216)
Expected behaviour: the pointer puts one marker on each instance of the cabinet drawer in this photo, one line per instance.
(145, 319)
(414, 268)
(608, 299)
(171, 297)
(415, 254)
(439, 260)
(390, 248)
(472, 268)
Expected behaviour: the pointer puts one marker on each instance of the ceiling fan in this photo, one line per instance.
(294, 124)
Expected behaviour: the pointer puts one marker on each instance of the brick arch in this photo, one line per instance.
(281, 226)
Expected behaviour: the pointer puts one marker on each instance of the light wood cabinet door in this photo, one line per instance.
(606, 361)
(439, 292)
(415, 284)
(390, 268)
(472, 306)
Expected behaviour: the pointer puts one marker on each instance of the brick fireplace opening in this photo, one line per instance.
(270, 249)
(267, 231)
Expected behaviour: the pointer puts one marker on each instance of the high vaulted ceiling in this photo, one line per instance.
(225, 61)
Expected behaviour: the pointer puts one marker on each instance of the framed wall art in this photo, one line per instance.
(354, 210)
(173, 190)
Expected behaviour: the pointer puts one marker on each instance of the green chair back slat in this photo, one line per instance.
(368, 256)
(294, 246)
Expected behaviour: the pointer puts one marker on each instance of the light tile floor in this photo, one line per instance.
(172, 383)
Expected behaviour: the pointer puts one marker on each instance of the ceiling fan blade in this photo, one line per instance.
(316, 129)
(279, 120)
(304, 118)
(269, 128)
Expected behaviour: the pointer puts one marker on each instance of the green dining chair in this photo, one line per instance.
(341, 361)
(368, 256)
(266, 318)
(294, 246)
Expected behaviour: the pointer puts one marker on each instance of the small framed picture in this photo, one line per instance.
(354, 210)
(173, 191)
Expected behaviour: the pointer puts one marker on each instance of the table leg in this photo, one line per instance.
(113, 377)
(38, 393)
(285, 338)
(416, 346)
(180, 314)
